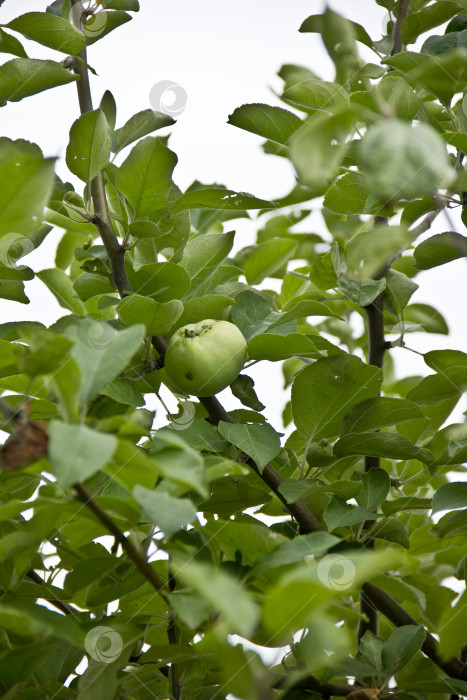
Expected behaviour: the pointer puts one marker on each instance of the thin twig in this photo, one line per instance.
(83, 495)
(59, 604)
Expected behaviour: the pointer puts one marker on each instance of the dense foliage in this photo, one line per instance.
(212, 556)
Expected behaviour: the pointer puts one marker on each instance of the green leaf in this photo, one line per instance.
(10, 44)
(160, 281)
(124, 391)
(89, 285)
(427, 317)
(77, 452)
(62, 288)
(88, 151)
(224, 593)
(260, 442)
(339, 514)
(348, 195)
(100, 24)
(243, 389)
(157, 318)
(22, 77)
(267, 346)
(443, 76)
(273, 123)
(139, 125)
(169, 514)
(401, 647)
(313, 152)
(375, 487)
(377, 413)
(213, 198)
(315, 24)
(360, 291)
(102, 353)
(324, 392)
(429, 17)
(202, 256)
(392, 530)
(368, 251)
(316, 544)
(388, 445)
(130, 5)
(199, 308)
(267, 258)
(405, 503)
(452, 629)
(316, 95)
(49, 30)
(440, 249)
(450, 496)
(145, 176)
(25, 186)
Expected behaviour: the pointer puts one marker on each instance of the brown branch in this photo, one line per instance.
(400, 617)
(397, 32)
(101, 218)
(83, 495)
(303, 516)
(172, 637)
(59, 604)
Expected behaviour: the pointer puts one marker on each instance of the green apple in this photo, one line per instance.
(203, 358)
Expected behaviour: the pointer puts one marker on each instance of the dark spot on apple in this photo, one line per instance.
(189, 376)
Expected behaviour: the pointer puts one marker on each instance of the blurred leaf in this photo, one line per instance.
(169, 514)
(427, 18)
(427, 317)
(223, 593)
(77, 452)
(157, 318)
(450, 497)
(267, 258)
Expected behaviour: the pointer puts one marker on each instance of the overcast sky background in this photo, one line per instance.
(223, 55)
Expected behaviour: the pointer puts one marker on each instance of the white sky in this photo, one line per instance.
(223, 54)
